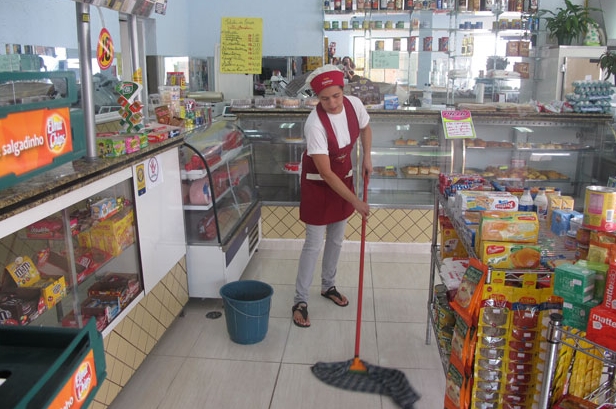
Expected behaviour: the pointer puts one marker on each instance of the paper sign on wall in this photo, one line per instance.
(458, 124)
(241, 41)
(385, 59)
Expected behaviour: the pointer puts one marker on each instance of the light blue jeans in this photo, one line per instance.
(334, 236)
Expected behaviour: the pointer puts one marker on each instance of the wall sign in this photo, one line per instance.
(104, 50)
(241, 47)
(385, 59)
(33, 139)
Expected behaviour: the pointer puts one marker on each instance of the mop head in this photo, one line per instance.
(376, 379)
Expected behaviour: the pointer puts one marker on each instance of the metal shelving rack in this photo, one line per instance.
(607, 389)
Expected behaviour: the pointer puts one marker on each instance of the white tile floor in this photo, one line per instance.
(196, 365)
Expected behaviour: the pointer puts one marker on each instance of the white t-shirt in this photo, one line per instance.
(316, 136)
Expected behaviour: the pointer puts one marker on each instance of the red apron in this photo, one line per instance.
(320, 204)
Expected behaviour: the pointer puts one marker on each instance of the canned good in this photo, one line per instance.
(599, 208)
(581, 252)
(427, 44)
(366, 25)
(389, 25)
(396, 46)
(583, 236)
(412, 44)
(443, 44)
(335, 25)
(378, 24)
(400, 24)
(355, 24)
(379, 45)
(326, 25)
(345, 25)
(570, 241)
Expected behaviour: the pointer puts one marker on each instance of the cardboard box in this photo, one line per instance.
(53, 289)
(104, 208)
(23, 271)
(601, 327)
(510, 255)
(524, 49)
(115, 233)
(574, 283)
(600, 270)
(560, 222)
(523, 68)
(609, 295)
(513, 49)
(124, 287)
(516, 227)
(576, 315)
(20, 306)
(102, 305)
(451, 245)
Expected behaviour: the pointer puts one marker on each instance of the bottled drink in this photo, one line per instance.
(541, 204)
(526, 201)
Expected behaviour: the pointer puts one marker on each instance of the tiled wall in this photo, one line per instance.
(132, 340)
(384, 225)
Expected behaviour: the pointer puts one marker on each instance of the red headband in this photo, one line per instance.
(327, 79)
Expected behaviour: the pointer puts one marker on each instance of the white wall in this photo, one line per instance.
(292, 27)
(190, 27)
(51, 23)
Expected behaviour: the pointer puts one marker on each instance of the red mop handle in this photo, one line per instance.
(360, 290)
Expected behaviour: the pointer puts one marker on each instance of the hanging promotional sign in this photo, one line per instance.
(33, 139)
(104, 49)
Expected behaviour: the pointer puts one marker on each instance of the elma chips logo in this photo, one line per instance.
(56, 133)
(83, 381)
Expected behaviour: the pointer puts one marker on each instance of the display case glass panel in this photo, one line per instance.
(78, 264)
(217, 183)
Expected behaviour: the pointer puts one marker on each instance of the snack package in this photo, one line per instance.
(517, 227)
(510, 255)
(23, 271)
(468, 296)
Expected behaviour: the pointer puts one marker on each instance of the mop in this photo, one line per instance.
(356, 374)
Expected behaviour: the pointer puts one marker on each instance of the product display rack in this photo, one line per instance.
(557, 334)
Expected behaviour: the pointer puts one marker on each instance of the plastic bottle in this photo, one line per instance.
(541, 205)
(526, 201)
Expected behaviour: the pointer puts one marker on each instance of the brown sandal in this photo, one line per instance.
(302, 307)
(331, 293)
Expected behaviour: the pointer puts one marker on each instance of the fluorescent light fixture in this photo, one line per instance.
(523, 129)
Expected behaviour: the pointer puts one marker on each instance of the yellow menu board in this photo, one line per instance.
(241, 45)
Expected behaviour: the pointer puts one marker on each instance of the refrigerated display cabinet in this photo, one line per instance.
(222, 210)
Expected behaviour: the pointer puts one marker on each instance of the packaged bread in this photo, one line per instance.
(516, 227)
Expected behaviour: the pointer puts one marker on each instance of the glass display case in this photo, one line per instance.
(79, 261)
(221, 206)
(409, 150)
(408, 153)
(557, 151)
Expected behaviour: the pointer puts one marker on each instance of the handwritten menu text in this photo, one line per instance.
(241, 45)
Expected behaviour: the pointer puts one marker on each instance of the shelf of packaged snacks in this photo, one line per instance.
(65, 305)
(557, 336)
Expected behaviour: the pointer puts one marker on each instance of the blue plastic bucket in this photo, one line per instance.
(247, 306)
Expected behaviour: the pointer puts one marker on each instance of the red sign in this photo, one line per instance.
(104, 50)
(30, 140)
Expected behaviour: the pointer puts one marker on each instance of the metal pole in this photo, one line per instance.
(433, 261)
(553, 337)
(85, 75)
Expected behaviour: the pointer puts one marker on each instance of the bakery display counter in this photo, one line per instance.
(514, 146)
